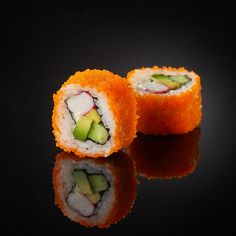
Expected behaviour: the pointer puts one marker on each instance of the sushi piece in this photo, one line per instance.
(94, 114)
(165, 157)
(94, 192)
(168, 99)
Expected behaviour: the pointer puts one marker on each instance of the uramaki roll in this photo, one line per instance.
(168, 99)
(166, 157)
(94, 192)
(94, 114)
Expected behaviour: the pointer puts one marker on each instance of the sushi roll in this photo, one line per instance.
(94, 114)
(94, 192)
(166, 157)
(168, 99)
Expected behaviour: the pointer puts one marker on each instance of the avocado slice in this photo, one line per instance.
(98, 133)
(181, 79)
(98, 182)
(163, 79)
(94, 116)
(82, 128)
(94, 197)
(82, 182)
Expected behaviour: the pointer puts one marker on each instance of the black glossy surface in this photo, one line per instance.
(43, 45)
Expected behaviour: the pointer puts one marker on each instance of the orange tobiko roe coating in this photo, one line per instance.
(124, 183)
(169, 114)
(121, 101)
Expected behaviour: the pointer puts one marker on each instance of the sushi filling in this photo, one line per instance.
(87, 192)
(87, 118)
(159, 83)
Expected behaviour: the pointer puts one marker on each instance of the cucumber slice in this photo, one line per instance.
(163, 79)
(82, 182)
(98, 133)
(159, 76)
(98, 183)
(181, 79)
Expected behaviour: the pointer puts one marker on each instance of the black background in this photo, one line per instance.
(44, 44)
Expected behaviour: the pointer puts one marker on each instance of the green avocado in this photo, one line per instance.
(82, 128)
(163, 79)
(98, 182)
(159, 76)
(98, 133)
(94, 116)
(94, 197)
(82, 182)
(181, 79)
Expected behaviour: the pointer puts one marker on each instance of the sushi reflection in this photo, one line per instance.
(165, 157)
(94, 192)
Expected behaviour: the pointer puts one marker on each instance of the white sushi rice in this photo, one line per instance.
(66, 123)
(67, 182)
(143, 76)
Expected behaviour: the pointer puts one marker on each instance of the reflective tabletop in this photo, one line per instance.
(184, 183)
